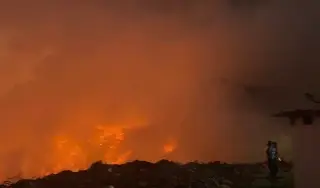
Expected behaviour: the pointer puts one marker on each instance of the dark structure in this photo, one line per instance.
(305, 141)
(307, 115)
(311, 98)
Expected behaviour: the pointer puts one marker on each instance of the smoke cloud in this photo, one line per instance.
(206, 74)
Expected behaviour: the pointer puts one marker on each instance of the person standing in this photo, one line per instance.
(272, 157)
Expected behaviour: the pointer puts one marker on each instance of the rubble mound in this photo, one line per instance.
(163, 174)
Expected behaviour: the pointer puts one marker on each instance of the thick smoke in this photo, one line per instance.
(204, 73)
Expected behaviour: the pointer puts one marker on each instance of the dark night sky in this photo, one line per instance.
(204, 73)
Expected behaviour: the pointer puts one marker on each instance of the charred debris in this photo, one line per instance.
(163, 174)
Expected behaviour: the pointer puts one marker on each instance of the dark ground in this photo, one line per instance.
(163, 174)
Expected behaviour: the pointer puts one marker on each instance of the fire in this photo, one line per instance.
(69, 154)
(122, 158)
(170, 146)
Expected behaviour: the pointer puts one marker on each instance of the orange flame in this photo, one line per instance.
(68, 154)
(170, 146)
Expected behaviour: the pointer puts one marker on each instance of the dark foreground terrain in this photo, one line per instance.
(163, 174)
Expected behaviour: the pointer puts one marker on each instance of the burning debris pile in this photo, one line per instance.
(163, 174)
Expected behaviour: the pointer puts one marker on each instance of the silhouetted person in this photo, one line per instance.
(272, 156)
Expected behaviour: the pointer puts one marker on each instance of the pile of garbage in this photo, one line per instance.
(141, 174)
